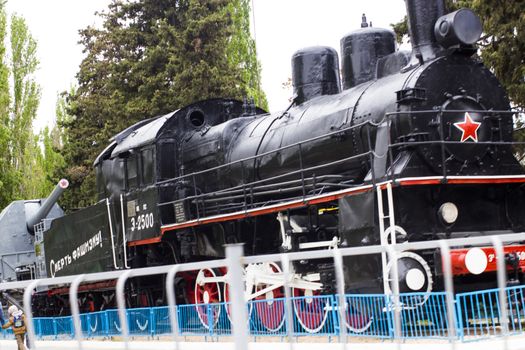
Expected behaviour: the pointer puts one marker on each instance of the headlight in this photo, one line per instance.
(415, 279)
(449, 212)
(476, 261)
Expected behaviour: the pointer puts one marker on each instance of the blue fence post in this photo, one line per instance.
(105, 324)
(459, 318)
(71, 327)
(152, 322)
(210, 319)
(389, 316)
(337, 304)
(179, 319)
(334, 314)
(39, 328)
(128, 317)
(88, 321)
(55, 329)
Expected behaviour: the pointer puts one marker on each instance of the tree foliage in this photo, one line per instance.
(241, 51)
(25, 100)
(149, 58)
(6, 175)
(502, 46)
(26, 170)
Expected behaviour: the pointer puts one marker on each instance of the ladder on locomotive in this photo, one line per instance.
(387, 230)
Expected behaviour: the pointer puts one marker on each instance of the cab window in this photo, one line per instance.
(148, 166)
(131, 172)
(167, 160)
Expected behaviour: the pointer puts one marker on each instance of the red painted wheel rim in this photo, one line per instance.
(271, 312)
(357, 321)
(226, 297)
(208, 293)
(311, 312)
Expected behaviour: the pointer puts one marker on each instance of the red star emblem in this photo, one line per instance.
(469, 128)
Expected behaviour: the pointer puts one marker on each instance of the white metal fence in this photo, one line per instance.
(235, 263)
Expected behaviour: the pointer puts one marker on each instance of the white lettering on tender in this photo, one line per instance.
(77, 253)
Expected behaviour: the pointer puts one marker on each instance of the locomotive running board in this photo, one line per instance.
(332, 196)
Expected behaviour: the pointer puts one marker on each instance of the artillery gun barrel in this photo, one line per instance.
(47, 205)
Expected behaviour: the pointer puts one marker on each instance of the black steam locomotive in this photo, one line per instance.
(414, 146)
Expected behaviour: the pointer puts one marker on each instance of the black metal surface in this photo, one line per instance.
(315, 72)
(460, 27)
(361, 50)
(422, 16)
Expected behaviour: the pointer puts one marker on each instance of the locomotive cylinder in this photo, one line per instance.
(47, 205)
(459, 27)
(315, 72)
(361, 49)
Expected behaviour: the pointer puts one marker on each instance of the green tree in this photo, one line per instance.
(62, 139)
(149, 58)
(6, 175)
(502, 46)
(26, 170)
(26, 97)
(31, 176)
(19, 98)
(52, 159)
(241, 51)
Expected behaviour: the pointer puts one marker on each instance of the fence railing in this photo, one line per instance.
(307, 179)
(397, 316)
(423, 316)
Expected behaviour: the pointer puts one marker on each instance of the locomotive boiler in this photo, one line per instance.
(401, 146)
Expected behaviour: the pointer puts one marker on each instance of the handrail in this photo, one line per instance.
(384, 305)
(111, 235)
(260, 155)
(250, 189)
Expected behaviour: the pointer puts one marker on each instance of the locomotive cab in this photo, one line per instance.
(136, 171)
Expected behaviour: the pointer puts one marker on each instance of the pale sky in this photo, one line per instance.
(281, 28)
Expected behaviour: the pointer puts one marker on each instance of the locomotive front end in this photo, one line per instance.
(443, 138)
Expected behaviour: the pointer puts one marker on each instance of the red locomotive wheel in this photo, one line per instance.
(207, 299)
(269, 310)
(357, 321)
(311, 311)
(228, 306)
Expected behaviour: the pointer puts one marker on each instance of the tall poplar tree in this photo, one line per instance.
(26, 172)
(241, 51)
(151, 57)
(6, 173)
(25, 100)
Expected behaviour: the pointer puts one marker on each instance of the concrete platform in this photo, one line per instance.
(513, 343)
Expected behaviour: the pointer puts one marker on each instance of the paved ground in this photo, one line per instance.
(513, 343)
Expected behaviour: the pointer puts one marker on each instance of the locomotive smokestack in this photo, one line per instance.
(422, 17)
